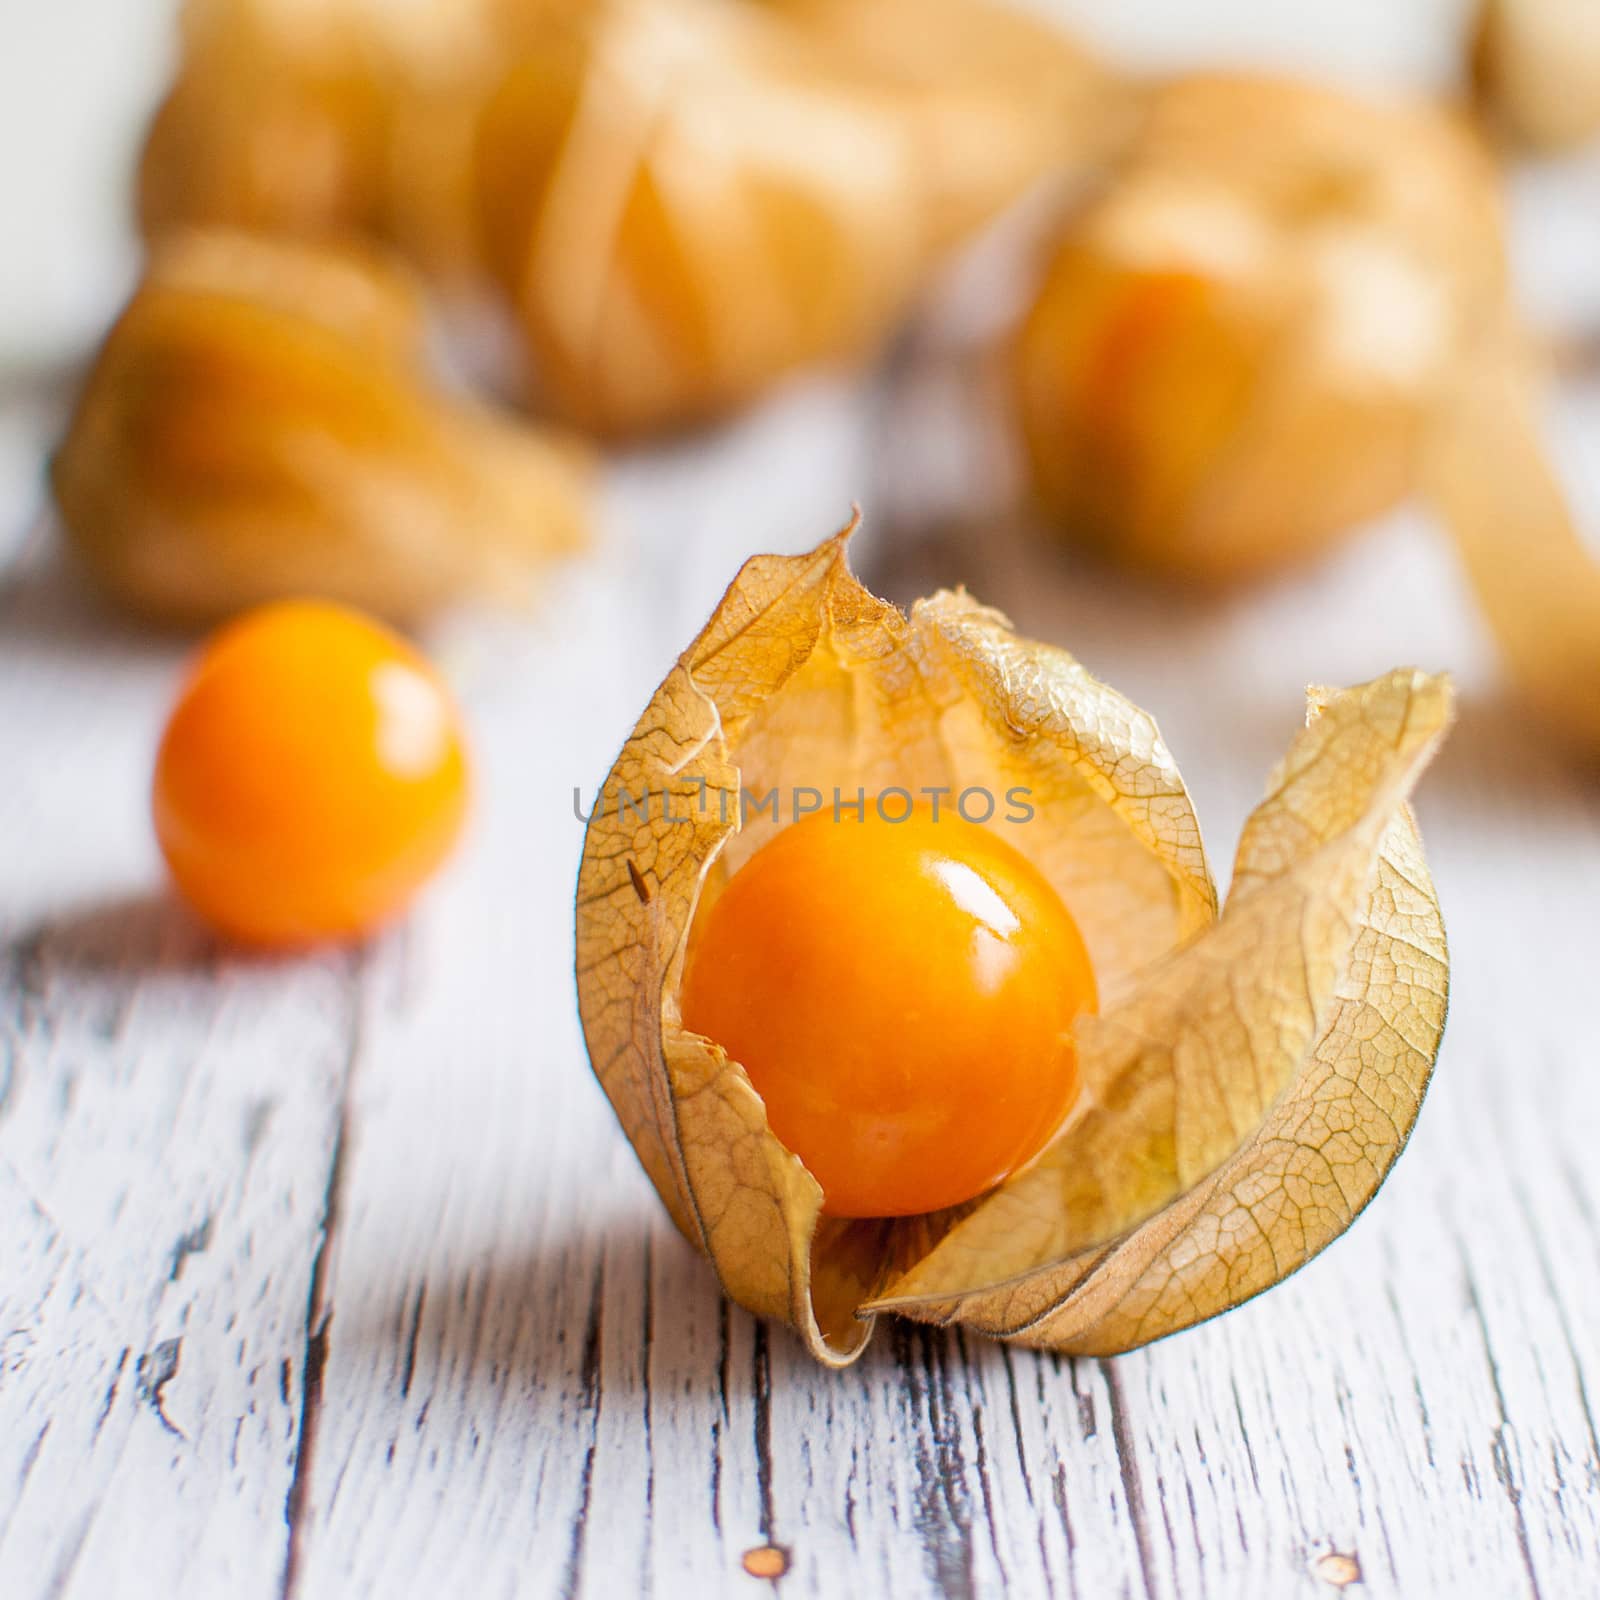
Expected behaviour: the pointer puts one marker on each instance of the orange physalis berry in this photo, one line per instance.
(311, 778)
(902, 995)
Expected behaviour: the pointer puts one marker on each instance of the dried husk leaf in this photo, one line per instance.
(802, 678)
(1536, 69)
(1262, 1082)
(1536, 579)
(259, 423)
(1233, 349)
(687, 199)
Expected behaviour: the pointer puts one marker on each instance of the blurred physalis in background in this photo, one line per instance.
(1536, 68)
(1287, 309)
(680, 200)
(279, 119)
(284, 113)
(260, 422)
(1234, 346)
(696, 197)
(1253, 334)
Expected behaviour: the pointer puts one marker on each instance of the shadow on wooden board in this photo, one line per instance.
(128, 935)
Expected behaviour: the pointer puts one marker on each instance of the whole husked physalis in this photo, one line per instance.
(900, 961)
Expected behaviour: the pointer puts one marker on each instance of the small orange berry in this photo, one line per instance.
(902, 995)
(311, 778)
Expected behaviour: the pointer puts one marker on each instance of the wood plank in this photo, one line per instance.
(1391, 1410)
(167, 1123)
(527, 1368)
(1418, 1399)
(531, 1385)
(505, 1374)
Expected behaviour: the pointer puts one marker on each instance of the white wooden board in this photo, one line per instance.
(332, 1277)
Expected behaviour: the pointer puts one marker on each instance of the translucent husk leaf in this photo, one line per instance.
(1535, 578)
(1311, 1011)
(260, 423)
(687, 199)
(1214, 1030)
(1317, 1158)
(1536, 69)
(1232, 349)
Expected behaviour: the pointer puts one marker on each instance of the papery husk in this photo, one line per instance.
(1260, 1084)
(1233, 349)
(687, 199)
(1536, 69)
(1312, 1007)
(1490, 477)
(260, 423)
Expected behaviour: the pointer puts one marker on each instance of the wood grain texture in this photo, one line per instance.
(167, 1122)
(332, 1277)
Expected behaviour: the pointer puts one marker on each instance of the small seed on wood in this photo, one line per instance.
(1338, 1569)
(766, 1560)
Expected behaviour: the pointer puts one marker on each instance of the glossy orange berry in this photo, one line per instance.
(902, 995)
(311, 778)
